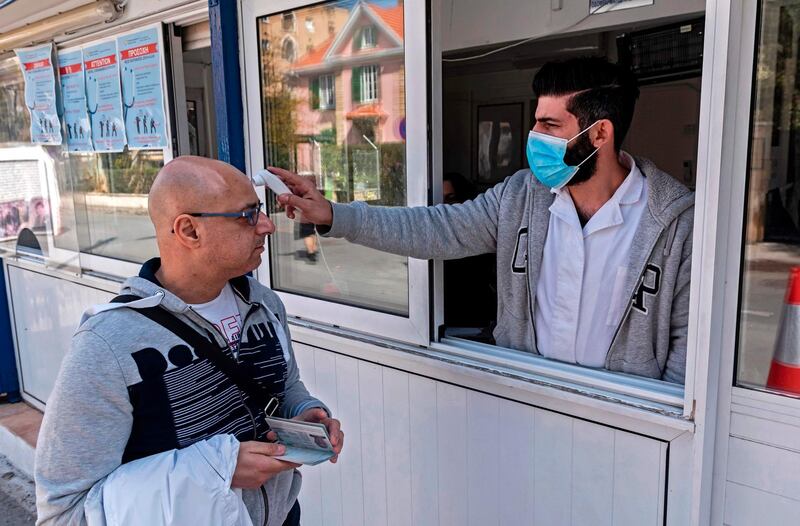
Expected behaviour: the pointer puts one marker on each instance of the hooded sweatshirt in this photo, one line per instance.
(512, 220)
(129, 388)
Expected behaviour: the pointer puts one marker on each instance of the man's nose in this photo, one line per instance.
(264, 226)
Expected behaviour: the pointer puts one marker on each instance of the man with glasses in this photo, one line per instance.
(159, 406)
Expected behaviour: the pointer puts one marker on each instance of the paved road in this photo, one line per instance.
(12, 514)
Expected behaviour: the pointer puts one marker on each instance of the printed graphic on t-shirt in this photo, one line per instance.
(230, 328)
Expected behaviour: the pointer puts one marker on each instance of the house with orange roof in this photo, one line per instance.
(350, 90)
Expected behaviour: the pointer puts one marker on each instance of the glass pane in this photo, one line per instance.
(99, 204)
(105, 197)
(352, 144)
(772, 231)
(24, 203)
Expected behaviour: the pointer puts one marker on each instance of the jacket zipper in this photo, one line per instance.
(266, 504)
(236, 357)
(630, 298)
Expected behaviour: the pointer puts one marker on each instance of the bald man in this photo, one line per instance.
(158, 413)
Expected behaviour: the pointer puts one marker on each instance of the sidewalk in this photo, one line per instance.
(19, 429)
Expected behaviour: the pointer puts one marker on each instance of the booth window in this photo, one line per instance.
(355, 153)
(103, 197)
(772, 226)
(24, 203)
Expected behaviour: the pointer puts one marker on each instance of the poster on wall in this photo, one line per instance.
(142, 92)
(40, 93)
(104, 97)
(73, 95)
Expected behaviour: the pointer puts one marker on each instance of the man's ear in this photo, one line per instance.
(185, 231)
(602, 133)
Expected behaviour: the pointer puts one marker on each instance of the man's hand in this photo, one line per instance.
(255, 464)
(317, 414)
(307, 199)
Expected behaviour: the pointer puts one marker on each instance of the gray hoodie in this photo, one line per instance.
(512, 219)
(129, 388)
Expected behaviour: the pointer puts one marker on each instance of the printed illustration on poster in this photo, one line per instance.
(104, 97)
(73, 94)
(41, 96)
(142, 92)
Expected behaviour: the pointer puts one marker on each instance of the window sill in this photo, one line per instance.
(639, 404)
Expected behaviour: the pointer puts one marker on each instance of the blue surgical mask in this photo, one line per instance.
(546, 158)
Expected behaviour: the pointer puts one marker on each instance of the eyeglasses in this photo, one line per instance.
(251, 214)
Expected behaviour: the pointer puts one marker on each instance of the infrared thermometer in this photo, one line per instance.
(272, 181)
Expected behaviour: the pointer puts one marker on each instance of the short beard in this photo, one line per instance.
(580, 151)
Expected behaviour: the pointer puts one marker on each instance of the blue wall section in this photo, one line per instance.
(8, 363)
(227, 81)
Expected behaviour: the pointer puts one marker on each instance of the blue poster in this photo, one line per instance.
(142, 92)
(73, 95)
(104, 97)
(36, 64)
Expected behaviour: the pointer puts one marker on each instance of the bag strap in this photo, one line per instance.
(204, 347)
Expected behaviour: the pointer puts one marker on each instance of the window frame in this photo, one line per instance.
(415, 328)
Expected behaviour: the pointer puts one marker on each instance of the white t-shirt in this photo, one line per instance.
(223, 312)
(580, 296)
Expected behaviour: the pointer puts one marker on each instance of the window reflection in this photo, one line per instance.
(772, 232)
(336, 114)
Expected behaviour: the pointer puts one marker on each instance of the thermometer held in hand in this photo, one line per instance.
(272, 181)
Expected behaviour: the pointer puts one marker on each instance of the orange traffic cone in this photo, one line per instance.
(784, 374)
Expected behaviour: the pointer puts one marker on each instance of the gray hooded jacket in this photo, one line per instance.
(129, 388)
(512, 220)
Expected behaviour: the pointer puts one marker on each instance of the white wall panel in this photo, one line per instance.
(422, 452)
(592, 474)
(46, 313)
(397, 415)
(483, 479)
(350, 464)
(752, 507)
(552, 468)
(639, 479)
(515, 460)
(373, 440)
(764, 467)
(451, 412)
(424, 439)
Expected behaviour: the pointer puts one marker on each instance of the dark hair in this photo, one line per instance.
(463, 189)
(599, 89)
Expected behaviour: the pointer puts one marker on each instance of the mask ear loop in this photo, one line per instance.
(591, 154)
(584, 131)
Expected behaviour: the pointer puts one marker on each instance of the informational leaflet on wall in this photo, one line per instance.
(604, 6)
(73, 95)
(142, 91)
(40, 93)
(104, 97)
